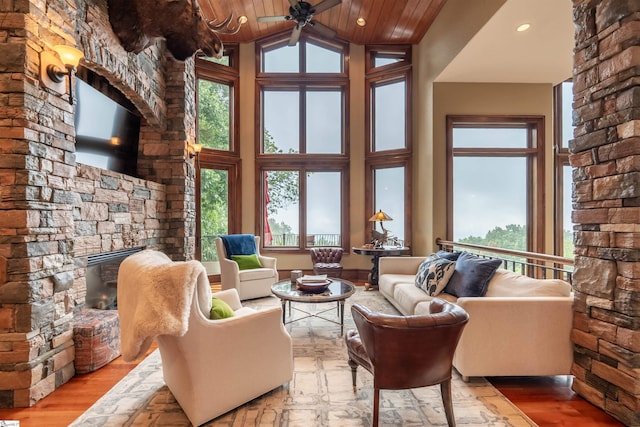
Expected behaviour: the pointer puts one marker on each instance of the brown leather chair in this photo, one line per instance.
(327, 261)
(407, 351)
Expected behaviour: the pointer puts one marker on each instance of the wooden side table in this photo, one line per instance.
(375, 254)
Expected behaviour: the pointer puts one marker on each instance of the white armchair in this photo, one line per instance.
(253, 283)
(216, 365)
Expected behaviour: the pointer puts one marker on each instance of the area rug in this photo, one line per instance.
(320, 393)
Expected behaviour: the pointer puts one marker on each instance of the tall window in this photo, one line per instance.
(217, 167)
(563, 133)
(389, 128)
(495, 177)
(301, 150)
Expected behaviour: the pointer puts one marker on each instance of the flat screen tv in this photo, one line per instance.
(107, 133)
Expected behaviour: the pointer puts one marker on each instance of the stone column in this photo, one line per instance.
(605, 155)
(36, 218)
(165, 159)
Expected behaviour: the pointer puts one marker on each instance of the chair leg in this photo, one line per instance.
(376, 406)
(354, 372)
(445, 390)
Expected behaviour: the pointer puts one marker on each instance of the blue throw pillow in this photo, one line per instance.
(471, 276)
(451, 256)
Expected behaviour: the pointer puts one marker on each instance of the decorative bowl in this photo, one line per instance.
(313, 287)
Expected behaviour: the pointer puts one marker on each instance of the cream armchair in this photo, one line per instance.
(216, 365)
(254, 283)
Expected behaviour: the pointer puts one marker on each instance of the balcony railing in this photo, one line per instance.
(530, 264)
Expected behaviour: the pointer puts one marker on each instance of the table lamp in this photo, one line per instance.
(378, 238)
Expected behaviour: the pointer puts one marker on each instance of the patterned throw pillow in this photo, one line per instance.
(438, 275)
(423, 269)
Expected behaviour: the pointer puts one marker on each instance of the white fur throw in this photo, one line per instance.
(154, 298)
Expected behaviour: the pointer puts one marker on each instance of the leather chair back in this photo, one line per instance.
(326, 255)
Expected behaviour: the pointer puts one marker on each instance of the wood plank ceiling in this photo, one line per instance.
(388, 21)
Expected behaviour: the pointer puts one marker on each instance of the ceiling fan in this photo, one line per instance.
(302, 14)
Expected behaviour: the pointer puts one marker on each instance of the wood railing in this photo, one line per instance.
(533, 264)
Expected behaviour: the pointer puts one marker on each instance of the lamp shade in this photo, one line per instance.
(380, 216)
(70, 56)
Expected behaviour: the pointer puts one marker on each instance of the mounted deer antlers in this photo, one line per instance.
(138, 23)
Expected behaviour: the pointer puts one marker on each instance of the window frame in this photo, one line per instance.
(228, 160)
(302, 162)
(225, 75)
(401, 157)
(533, 153)
(561, 160)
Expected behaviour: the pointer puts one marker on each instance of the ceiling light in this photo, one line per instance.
(242, 19)
(523, 27)
(361, 21)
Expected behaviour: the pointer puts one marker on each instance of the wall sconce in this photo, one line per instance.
(194, 150)
(54, 67)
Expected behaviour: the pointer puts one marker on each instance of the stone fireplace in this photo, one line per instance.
(54, 212)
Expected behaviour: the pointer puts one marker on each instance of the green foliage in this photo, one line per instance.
(213, 114)
(283, 185)
(513, 236)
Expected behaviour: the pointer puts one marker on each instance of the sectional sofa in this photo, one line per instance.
(521, 326)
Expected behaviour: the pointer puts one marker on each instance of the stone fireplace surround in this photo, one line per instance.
(54, 213)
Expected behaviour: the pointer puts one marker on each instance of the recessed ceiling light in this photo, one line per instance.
(523, 27)
(242, 19)
(361, 21)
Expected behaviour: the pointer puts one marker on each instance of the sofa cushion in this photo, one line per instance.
(471, 275)
(505, 283)
(255, 274)
(436, 276)
(407, 296)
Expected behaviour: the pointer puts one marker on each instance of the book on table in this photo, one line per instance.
(320, 278)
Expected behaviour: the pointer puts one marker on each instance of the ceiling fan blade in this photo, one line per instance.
(294, 4)
(295, 35)
(324, 5)
(322, 29)
(272, 18)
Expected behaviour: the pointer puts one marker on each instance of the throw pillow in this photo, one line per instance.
(438, 275)
(471, 276)
(423, 269)
(220, 309)
(452, 256)
(247, 262)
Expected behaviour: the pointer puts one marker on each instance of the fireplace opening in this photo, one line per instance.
(102, 278)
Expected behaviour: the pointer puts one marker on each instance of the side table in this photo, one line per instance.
(375, 254)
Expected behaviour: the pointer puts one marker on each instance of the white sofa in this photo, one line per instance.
(521, 327)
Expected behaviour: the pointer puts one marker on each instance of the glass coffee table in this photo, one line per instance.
(338, 291)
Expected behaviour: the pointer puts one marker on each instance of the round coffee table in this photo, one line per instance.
(339, 290)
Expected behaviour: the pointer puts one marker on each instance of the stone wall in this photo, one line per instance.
(605, 155)
(52, 211)
(112, 212)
